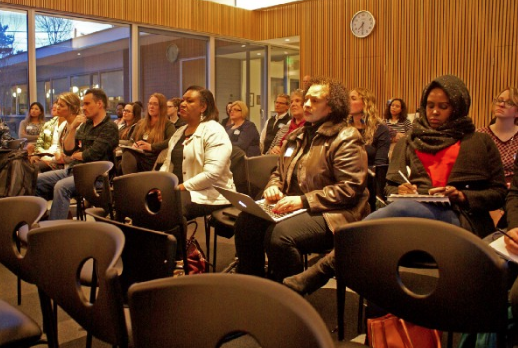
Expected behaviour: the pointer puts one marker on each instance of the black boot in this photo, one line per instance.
(314, 277)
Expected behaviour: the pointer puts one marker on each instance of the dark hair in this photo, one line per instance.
(227, 108)
(176, 102)
(137, 111)
(402, 115)
(207, 98)
(98, 94)
(337, 98)
(122, 103)
(41, 117)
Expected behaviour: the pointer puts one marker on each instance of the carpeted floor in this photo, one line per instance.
(73, 336)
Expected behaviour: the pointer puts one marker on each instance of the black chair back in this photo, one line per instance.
(219, 305)
(258, 171)
(58, 253)
(147, 254)
(86, 178)
(470, 294)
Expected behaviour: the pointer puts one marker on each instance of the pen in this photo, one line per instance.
(404, 177)
(505, 233)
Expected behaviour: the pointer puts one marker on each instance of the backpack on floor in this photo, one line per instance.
(18, 176)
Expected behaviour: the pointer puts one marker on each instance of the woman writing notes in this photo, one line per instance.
(444, 155)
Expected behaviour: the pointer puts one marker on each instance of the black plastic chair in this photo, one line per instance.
(255, 172)
(470, 294)
(136, 196)
(16, 328)
(56, 255)
(219, 305)
(17, 215)
(147, 254)
(93, 185)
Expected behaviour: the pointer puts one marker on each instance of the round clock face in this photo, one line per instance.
(172, 53)
(362, 23)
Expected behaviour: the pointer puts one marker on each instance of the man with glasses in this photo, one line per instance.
(173, 105)
(276, 122)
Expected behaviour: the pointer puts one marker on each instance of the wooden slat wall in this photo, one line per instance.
(192, 15)
(414, 40)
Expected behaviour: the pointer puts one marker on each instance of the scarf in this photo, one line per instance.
(426, 139)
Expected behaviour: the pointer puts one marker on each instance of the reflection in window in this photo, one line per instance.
(171, 62)
(13, 65)
(74, 55)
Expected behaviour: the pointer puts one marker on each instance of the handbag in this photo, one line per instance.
(196, 261)
(390, 331)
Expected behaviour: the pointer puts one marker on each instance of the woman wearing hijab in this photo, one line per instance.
(443, 154)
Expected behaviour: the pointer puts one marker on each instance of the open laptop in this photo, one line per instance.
(258, 208)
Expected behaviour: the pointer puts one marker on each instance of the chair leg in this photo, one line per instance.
(340, 301)
(360, 315)
(207, 241)
(215, 251)
(19, 287)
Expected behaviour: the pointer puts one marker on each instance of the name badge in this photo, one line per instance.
(289, 152)
(237, 132)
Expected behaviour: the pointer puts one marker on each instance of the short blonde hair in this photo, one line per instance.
(244, 108)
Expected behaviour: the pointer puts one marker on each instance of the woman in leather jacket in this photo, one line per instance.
(322, 168)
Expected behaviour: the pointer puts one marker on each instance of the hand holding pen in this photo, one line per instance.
(511, 239)
(406, 188)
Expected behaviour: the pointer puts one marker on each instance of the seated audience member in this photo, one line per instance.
(323, 168)
(396, 118)
(364, 117)
(30, 127)
(504, 131)
(120, 115)
(512, 211)
(48, 143)
(173, 105)
(242, 132)
(297, 121)
(227, 121)
(131, 116)
(276, 122)
(199, 154)
(444, 155)
(90, 137)
(150, 137)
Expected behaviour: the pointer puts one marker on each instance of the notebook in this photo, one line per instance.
(258, 208)
(437, 199)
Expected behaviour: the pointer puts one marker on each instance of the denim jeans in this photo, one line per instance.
(416, 209)
(59, 186)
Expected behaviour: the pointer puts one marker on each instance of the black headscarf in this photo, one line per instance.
(426, 139)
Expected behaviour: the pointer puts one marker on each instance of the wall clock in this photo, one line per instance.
(362, 24)
(172, 53)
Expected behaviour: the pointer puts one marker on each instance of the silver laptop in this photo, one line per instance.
(258, 208)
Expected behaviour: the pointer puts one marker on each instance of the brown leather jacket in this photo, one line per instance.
(332, 174)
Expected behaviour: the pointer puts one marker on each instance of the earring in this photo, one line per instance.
(202, 117)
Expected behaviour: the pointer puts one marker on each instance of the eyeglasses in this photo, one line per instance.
(277, 102)
(507, 103)
(235, 110)
(152, 104)
(128, 111)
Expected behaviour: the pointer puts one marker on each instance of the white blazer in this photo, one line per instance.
(206, 162)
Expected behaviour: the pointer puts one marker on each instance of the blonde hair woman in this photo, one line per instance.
(242, 132)
(504, 130)
(364, 116)
(150, 138)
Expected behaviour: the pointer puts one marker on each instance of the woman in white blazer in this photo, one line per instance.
(199, 154)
